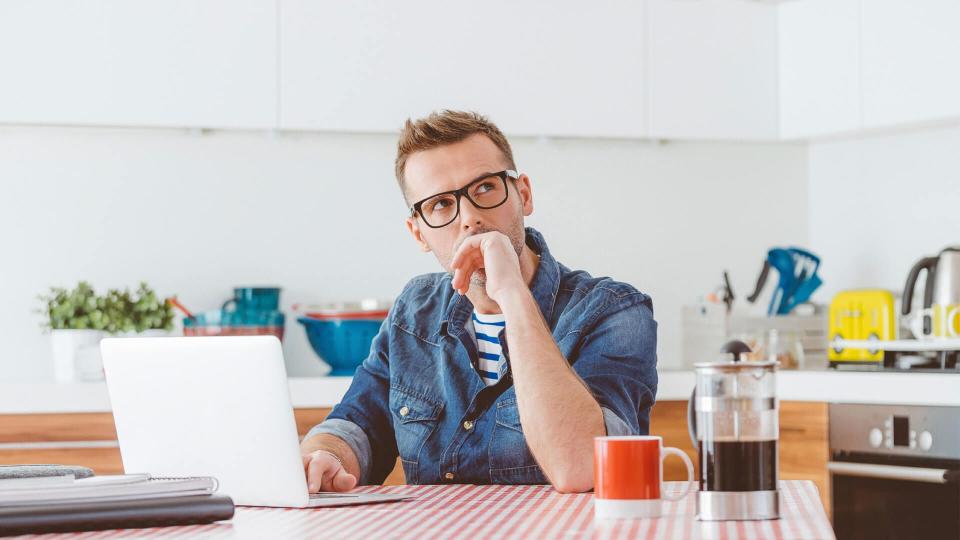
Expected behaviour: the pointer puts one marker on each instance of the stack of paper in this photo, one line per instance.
(64, 503)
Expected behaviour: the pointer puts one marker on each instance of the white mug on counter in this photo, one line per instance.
(943, 322)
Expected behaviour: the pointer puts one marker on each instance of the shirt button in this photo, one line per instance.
(404, 411)
(467, 424)
(449, 476)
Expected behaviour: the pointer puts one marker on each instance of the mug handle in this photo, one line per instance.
(919, 326)
(669, 450)
(952, 313)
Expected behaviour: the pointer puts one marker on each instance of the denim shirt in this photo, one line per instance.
(419, 395)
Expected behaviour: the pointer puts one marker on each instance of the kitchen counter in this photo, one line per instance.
(901, 388)
(325, 392)
(17, 398)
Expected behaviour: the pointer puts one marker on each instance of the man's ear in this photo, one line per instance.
(526, 194)
(414, 229)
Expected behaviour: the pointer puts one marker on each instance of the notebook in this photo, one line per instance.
(33, 470)
(123, 514)
(123, 487)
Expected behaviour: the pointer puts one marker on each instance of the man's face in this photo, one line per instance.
(451, 167)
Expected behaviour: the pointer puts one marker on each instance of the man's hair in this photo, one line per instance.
(442, 128)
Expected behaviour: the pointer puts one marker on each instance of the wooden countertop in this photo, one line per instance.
(312, 392)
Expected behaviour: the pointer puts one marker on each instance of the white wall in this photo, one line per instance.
(880, 203)
(319, 214)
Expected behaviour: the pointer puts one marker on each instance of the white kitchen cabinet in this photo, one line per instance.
(563, 68)
(910, 61)
(819, 67)
(712, 69)
(209, 63)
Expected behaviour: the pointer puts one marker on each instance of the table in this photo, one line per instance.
(470, 511)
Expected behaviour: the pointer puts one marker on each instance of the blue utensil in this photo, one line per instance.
(252, 299)
(797, 278)
(807, 279)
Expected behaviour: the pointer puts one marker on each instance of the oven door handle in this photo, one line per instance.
(894, 472)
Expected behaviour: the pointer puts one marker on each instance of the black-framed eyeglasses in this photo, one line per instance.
(486, 192)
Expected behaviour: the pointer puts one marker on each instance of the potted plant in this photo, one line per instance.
(79, 318)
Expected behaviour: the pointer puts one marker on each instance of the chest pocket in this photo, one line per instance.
(414, 420)
(511, 461)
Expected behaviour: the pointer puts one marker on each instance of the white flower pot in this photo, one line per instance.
(76, 355)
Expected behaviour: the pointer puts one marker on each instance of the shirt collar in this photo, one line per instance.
(544, 287)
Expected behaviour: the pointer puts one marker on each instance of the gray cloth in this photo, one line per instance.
(33, 471)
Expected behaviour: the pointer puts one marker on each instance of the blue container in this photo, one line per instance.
(231, 323)
(246, 299)
(342, 343)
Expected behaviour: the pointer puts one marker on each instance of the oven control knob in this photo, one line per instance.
(876, 438)
(926, 440)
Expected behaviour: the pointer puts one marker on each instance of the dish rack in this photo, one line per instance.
(901, 353)
(707, 327)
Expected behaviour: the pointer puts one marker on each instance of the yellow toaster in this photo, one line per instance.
(862, 314)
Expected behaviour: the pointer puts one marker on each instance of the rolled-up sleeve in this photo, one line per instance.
(614, 424)
(362, 419)
(618, 362)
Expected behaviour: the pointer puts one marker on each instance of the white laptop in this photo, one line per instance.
(212, 406)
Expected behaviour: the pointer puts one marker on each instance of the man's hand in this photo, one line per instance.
(325, 473)
(494, 254)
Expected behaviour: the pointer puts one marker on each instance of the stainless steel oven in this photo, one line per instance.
(895, 471)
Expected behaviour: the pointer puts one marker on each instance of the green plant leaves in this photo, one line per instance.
(114, 312)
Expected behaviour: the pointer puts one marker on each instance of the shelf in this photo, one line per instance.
(914, 345)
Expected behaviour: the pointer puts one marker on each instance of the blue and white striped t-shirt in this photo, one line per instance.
(492, 366)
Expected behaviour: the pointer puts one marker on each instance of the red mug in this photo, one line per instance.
(628, 474)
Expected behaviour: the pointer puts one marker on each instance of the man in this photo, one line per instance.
(503, 368)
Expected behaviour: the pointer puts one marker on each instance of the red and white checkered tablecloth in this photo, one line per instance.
(469, 511)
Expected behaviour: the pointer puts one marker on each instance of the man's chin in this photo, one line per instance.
(478, 281)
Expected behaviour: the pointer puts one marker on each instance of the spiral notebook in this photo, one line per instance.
(124, 487)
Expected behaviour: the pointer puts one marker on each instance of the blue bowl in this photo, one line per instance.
(342, 343)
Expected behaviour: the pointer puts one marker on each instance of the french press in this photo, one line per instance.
(733, 417)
